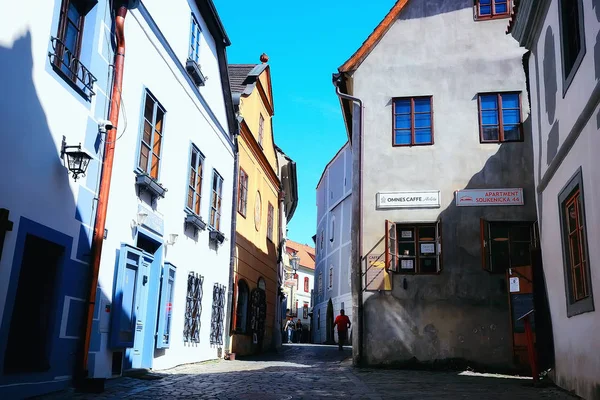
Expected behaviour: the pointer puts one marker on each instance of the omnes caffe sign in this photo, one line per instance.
(489, 197)
(429, 199)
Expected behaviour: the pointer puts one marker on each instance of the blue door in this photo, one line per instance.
(142, 281)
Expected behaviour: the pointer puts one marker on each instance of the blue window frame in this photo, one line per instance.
(151, 141)
(412, 121)
(487, 9)
(500, 117)
(215, 203)
(194, 190)
(123, 318)
(195, 32)
(165, 311)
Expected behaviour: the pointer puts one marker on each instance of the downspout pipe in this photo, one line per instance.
(356, 225)
(103, 193)
(231, 287)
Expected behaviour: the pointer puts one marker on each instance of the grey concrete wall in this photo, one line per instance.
(436, 48)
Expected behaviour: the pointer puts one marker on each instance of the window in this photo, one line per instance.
(505, 245)
(67, 45)
(412, 121)
(242, 192)
(414, 248)
(261, 127)
(500, 117)
(218, 311)
(320, 283)
(152, 134)
(296, 309)
(319, 319)
(195, 40)
(241, 308)
(29, 333)
(575, 248)
(572, 38)
(195, 181)
(193, 308)
(488, 9)
(270, 212)
(332, 231)
(306, 284)
(305, 310)
(165, 310)
(330, 277)
(215, 204)
(297, 281)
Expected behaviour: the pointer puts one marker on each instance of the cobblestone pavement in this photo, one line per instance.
(314, 372)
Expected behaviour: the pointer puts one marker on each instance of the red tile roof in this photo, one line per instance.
(305, 252)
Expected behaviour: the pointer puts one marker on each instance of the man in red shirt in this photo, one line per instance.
(343, 323)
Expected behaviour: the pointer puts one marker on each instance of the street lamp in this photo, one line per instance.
(77, 159)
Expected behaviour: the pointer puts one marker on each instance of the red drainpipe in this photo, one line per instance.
(109, 153)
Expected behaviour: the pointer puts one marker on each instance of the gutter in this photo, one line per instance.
(356, 227)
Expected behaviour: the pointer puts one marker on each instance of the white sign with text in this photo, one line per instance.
(489, 197)
(426, 199)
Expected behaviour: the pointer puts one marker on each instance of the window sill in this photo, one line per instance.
(193, 68)
(146, 183)
(479, 18)
(194, 220)
(216, 236)
(242, 214)
(412, 145)
(580, 307)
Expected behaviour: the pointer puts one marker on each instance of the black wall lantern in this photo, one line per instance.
(77, 159)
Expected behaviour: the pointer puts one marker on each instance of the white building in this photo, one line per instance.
(333, 240)
(563, 67)
(298, 289)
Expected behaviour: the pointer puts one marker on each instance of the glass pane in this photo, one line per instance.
(194, 159)
(212, 217)
(422, 105)
(192, 178)
(423, 135)
(572, 217)
(402, 137)
(485, 10)
(519, 254)
(422, 120)
(71, 38)
(509, 100)
(159, 119)
(574, 247)
(490, 133)
(579, 283)
(402, 106)
(406, 249)
(199, 183)
(581, 221)
(498, 232)
(501, 8)
(403, 121)
(489, 117)
(484, 2)
(520, 234)
(197, 208)
(427, 233)
(154, 168)
(489, 102)
(72, 13)
(512, 132)
(510, 117)
(427, 265)
(157, 143)
(499, 256)
(147, 132)
(149, 108)
(190, 201)
(144, 154)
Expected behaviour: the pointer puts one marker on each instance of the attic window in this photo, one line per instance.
(491, 9)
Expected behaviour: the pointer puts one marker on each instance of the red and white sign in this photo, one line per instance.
(489, 197)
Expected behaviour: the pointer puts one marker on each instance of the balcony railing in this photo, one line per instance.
(68, 65)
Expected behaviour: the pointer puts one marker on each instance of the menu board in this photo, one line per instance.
(521, 304)
(376, 277)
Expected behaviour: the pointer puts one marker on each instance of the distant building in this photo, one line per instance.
(333, 240)
(563, 67)
(298, 287)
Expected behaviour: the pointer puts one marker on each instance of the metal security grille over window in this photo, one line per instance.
(412, 121)
(193, 308)
(500, 117)
(216, 319)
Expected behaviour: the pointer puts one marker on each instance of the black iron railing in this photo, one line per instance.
(68, 65)
(218, 311)
(193, 308)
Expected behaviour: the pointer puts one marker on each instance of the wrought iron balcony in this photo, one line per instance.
(69, 67)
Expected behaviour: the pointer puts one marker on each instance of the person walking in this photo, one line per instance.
(343, 323)
(289, 327)
(299, 331)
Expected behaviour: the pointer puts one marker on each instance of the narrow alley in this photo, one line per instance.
(312, 372)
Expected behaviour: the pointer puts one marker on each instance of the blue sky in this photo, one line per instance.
(306, 42)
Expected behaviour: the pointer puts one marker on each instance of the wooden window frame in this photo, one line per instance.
(195, 189)
(500, 119)
(261, 130)
(216, 201)
(62, 30)
(493, 14)
(195, 34)
(571, 193)
(270, 220)
(142, 143)
(305, 310)
(485, 241)
(242, 206)
(306, 284)
(567, 78)
(392, 254)
(412, 121)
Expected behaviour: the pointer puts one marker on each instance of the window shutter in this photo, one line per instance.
(485, 245)
(165, 309)
(126, 297)
(438, 244)
(391, 257)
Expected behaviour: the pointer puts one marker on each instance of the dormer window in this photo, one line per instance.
(490, 9)
(193, 62)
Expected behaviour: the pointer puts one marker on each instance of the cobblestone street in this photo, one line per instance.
(313, 372)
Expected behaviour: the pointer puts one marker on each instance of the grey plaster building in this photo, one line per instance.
(564, 73)
(333, 241)
(435, 101)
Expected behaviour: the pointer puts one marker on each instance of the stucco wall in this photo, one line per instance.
(554, 117)
(463, 311)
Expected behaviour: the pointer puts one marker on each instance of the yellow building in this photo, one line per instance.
(258, 224)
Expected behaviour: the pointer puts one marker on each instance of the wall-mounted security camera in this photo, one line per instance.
(105, 125)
